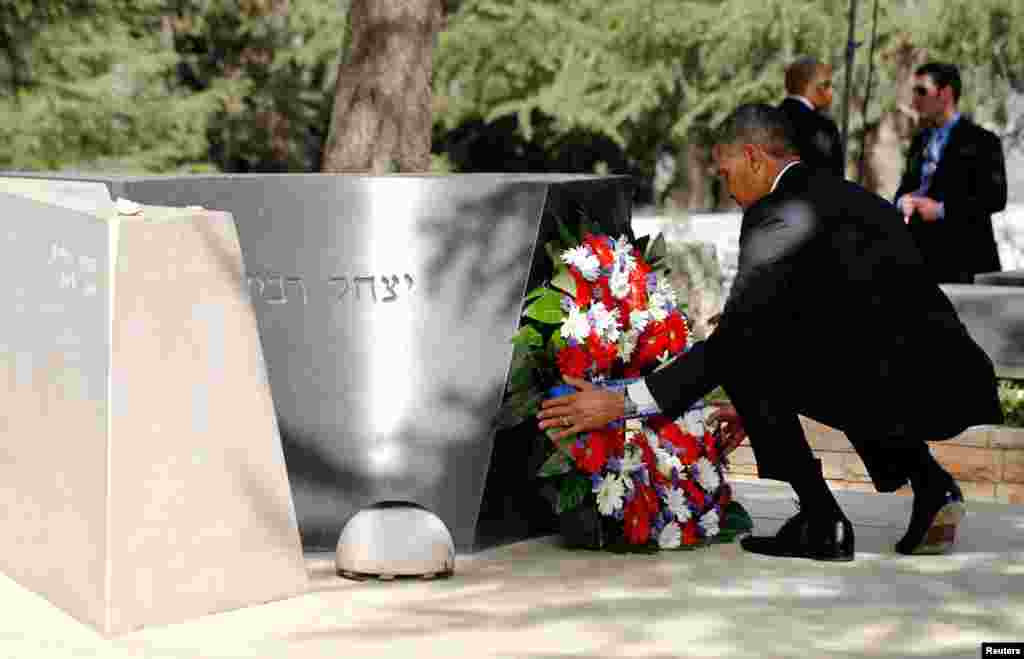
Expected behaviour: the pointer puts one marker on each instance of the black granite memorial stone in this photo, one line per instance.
(386, 306)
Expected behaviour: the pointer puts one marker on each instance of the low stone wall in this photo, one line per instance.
(987, 461)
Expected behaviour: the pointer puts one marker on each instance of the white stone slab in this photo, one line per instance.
(141, 475)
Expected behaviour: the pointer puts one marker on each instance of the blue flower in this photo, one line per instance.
(560, 390)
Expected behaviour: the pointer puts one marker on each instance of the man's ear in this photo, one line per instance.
(753, 154)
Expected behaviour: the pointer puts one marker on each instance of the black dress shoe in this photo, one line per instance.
(803, 536)
(933, 521)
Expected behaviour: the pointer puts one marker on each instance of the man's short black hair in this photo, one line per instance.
(943, 75)
(758, 123)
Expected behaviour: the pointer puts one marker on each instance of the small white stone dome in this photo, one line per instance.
(395, 539)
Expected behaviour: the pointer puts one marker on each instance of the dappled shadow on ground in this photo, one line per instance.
(538, 600)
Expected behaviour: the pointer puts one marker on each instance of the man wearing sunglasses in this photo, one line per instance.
(953, 181)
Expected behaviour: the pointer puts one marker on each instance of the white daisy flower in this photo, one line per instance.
(676, 502)
(619, 283)
(624, 251)
(666, 291)
(656, 306)
(576, 325)
(670, 537)
(707, 475)
(710, 523)
(638, 319)
(583, 260)
(606, 321)
(610, 494)
(575, 256)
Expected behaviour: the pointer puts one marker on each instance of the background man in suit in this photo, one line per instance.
(809, 85)
(954, 180)
(832, 315)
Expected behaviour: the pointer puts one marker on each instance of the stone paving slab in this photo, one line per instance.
(534, 599)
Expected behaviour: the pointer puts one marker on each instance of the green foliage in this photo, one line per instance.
(1011, 398)
(166, 85)
(657, 74)
(572, 490)
(637, 72)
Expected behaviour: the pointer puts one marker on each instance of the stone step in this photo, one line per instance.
(994, 316)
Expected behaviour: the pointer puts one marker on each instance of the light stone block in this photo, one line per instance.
(141, 476)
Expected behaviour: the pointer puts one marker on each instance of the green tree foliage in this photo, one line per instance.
(651, 73)
(638, 72)
(165, 85)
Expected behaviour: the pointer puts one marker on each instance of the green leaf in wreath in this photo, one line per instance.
(556, 342)
(656, 250)
(551, 247)
(521, 378)
(547, 308)
(556, 465)
(641, 244)
(568, 239)
(573, 491)
(535, 293)
(735, 518)
(528, 337)
(564, 282)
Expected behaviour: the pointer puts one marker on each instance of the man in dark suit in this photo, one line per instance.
(809, 85)
(833, 316)
(954, 180)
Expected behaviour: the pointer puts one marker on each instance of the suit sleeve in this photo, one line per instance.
(764, 300)
(986, 193)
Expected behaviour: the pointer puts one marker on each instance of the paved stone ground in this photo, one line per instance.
(536, 600)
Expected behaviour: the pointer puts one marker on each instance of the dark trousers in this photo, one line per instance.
(769, 410)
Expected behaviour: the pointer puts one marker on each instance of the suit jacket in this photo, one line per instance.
(831, 300)
(816, 136)
(971, 181)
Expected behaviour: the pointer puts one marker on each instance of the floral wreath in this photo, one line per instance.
(609, 315)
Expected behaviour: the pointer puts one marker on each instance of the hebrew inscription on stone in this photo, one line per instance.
(280, 289)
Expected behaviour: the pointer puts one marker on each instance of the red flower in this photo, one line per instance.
(583, 289)
(638, 286)
(637, 515)
(711, 447)
(573, 360)
(689, 448)
(599, 245)
(691, 535)
(602, 352)
(603, 292)
(594, 454)
(652, 342)
(677, 332)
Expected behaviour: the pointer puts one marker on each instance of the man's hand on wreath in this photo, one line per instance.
(730, 426)
(592, 408)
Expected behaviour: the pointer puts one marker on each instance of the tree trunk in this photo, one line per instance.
(382, 119)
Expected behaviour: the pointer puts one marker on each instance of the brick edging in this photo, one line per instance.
(987, 461)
